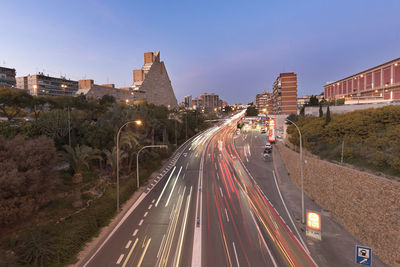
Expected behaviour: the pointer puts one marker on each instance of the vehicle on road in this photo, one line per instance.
(263, 130)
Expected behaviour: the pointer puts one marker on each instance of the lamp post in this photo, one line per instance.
(137, 160)
(138, 122)
(301, 171)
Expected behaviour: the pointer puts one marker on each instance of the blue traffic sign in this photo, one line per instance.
(363, 255)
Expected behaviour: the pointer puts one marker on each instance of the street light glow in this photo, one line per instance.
(138, 122)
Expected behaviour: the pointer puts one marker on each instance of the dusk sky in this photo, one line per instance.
(233, 48)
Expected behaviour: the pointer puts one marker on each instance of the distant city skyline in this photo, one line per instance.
(233, 49)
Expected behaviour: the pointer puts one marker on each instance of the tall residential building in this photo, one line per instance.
(92, 90)
(284, 94)
(197, 103)
(42, 85)
(210, 102)
(262, 102)
(7, 77)
(380, 83)
(152, 84)
(188, 101)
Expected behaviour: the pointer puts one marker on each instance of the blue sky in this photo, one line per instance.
(233, 48)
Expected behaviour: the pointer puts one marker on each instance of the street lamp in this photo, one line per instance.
(138, 122)
(301, 171)
(137, 160)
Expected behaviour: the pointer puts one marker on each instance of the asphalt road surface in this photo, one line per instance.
(204, 209)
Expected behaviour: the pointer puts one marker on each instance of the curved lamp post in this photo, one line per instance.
(301, 171)
(137, 160)
(138, 122)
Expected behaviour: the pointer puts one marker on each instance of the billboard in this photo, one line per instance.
(272, 124)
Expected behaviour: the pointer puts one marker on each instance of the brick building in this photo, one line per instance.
(263, 102)
(380, 83)
(284, 94)
(151, 83)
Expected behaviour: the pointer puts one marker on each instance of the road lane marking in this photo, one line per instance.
(128, 244)
(290, 217)
(141, 221)
(217, 176)
(130, 253)
(265, 243)
(187, 164)
(145, 214)
(120, 258)
(173, 187)
(135, 232)
(215, 164)
(153, 201)
(151, 205)
(183, 177)
(222, 195)
(236, 256)
(226, 213)
(183, 229)
(162, 192)
(162, 243)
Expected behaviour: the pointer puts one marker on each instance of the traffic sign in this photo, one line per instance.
(363, 255)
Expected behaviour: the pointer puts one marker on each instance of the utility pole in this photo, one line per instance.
(341, 159)
(69, 127)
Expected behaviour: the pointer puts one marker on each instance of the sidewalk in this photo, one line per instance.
(337, 247)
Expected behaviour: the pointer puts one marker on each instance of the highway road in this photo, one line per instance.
(204, 209)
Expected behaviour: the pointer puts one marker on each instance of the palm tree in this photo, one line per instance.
(111, 159)
(130, 141)
(79, 159)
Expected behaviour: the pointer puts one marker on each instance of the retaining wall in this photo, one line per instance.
(367, 206)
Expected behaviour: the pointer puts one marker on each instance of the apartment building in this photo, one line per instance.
(284, 94)
(44, 85)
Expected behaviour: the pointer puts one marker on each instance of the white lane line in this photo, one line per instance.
(153, 201)
(183, 177)
(187, 165)
(138, 201)
(215, 164)
(151, 205)
(236, 256)
(141, 222)
(128, 244)
(220, 190)
(135, 232)
(159, 250)
(173, 187)
(265, 243)
(217, 176)
(226, 213)
(290, 217)
(162, 192)
(145, 214)
(120, 258)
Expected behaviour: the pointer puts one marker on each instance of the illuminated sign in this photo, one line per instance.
(271, 135)
(313, 224)
(313, 220)
(272, 124)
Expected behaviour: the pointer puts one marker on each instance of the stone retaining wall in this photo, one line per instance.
(367, 206)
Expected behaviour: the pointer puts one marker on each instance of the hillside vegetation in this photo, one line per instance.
(371, 137)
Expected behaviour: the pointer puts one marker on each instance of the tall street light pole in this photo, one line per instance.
(138, 122)
(301, 172)
(137, 160)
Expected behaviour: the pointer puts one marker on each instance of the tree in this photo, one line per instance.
(302, 111)
(227, 109)
(27, 176)
(37, 106)
(251, 111)
(328, 116)
(54, 124)
(321, 113)
(313, 101)
(79, 159)
(107, 100)
(13, 102)
(292, 117)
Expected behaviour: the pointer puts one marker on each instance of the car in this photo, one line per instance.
(268, 145)
(263, 130)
